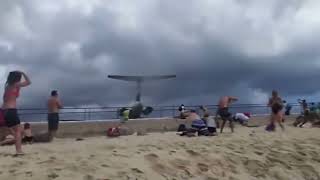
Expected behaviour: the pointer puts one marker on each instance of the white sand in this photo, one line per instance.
(292, 155)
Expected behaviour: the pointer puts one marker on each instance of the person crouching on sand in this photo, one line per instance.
(211, 123)
(223, 111)
(275, 103)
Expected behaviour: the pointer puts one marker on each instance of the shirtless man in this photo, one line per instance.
(54, 104)
(193, 116)
(223, 110)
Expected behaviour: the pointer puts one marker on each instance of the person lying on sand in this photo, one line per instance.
(223, 111)
(242, 118)
(9, 140)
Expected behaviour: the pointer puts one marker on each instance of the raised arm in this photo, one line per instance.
(233, 98)
(26, 81)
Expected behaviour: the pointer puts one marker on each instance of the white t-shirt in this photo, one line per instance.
(242, 117)
(211, 122)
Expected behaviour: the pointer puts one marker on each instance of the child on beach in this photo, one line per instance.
(27, 134)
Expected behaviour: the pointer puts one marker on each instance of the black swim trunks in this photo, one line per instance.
(224, 113)
(53, 121)
(212, 129)
(11, 117)
(27, 139)
(276, 108)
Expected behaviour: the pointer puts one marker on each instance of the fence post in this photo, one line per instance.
(173, 110)
(118, 110)
(89, 117)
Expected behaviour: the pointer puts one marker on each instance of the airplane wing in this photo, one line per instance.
(141, 78)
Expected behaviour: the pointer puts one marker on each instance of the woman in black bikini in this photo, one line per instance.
(276, 104)
(11, 93)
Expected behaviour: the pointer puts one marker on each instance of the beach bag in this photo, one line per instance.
(181, 128)
(113, 132)
(2, 120)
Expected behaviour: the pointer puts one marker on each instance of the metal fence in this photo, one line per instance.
(108, 113)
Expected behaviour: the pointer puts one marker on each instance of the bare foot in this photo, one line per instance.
(20, 153)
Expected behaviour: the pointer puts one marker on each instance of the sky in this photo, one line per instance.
(244, 48)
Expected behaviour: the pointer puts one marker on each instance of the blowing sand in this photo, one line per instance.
(248, 154)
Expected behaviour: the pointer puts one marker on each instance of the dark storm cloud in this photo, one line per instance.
(245, 48)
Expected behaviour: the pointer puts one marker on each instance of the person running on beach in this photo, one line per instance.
(54, 105)
(223, 111)
(276, 105)
(11, 93)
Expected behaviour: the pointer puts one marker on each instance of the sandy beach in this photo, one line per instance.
(248, 154)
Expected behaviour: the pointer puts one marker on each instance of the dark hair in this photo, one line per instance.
(275, 93)
(54, 93)
(27, 126)
(206, 115)
(13, 78)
